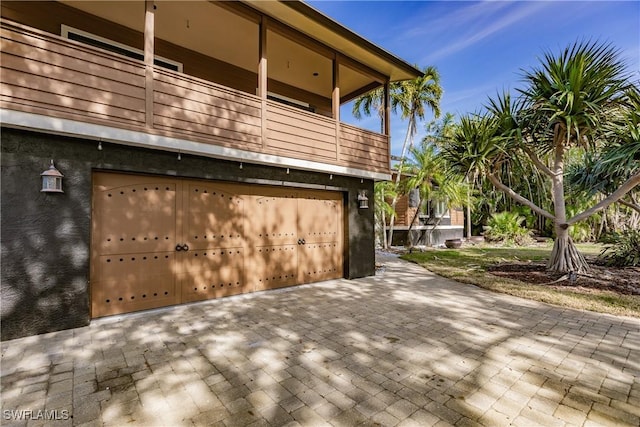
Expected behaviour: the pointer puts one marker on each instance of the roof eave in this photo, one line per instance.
(347, 41)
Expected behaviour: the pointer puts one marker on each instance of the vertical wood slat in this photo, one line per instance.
(335, 101)
(387, 118)
(387, 108)
(263, 76)
(149, 34)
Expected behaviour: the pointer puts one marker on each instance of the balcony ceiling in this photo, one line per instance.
(215, 31)
(309, 21)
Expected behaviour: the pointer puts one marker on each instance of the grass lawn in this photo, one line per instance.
(468, 265)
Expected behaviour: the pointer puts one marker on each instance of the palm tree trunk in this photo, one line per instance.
(435, 225)
(391, 222)
(384, 226)
(564, 256)
(469, 207)
(415, 215)
(397, 181)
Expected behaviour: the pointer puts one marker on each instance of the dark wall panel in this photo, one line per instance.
(45, 238)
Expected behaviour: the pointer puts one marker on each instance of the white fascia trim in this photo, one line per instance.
(428, 227)
(38, 122)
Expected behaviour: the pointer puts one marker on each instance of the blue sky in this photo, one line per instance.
(481, 47)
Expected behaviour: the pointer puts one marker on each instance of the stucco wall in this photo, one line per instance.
(423, 236)
(45, 238)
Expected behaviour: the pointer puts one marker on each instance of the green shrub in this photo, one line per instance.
(622, 249)
(581, 232)
(506, 227)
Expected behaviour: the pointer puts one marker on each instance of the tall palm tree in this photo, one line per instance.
(425, 172)
(412, 98)
(383, 190)
(454, 192)
(430, 174)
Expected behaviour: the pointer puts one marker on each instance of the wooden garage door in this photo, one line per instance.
(161, 241)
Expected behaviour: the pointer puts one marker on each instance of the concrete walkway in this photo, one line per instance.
(403, 348)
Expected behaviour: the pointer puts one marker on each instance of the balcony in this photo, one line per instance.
(47, 75)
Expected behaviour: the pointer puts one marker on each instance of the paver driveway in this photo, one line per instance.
(402, 348)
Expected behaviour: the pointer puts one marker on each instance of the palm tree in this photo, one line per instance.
(567, 102)
(453, 192)
(430, 174)
(604, 172)
(369, 103)
(412, 98)
(425, 171)
(383, 190)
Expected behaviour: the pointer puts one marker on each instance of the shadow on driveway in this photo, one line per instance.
(405, 347)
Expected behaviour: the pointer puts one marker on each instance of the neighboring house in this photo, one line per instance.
(433, 224)
(202, 153)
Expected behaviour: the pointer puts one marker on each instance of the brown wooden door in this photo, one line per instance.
(272, 238)
(133, 258)
(164, 241)
(212, 238)
(320, 228)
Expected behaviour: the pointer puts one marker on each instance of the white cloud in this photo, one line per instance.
(467, 99)
(465, 26)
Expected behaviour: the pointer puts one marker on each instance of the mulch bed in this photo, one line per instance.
(620, 280)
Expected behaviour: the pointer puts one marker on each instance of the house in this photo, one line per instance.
(200, 150)
(433, 221)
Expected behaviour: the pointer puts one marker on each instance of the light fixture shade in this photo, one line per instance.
(363, 200)
(51, 180)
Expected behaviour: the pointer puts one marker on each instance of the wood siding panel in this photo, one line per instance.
(34, 40)
(365, 137)
(48, 75)
(362, 154)
(457, 216)
(184, 104)
(250, 104)
(364, 149)
(299, 133)
(36, 78)
(402, 210)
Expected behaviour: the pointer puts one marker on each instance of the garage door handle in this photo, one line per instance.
(178, 247)
(301, 241)
(185, 247)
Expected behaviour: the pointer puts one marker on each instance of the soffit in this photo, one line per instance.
(200, 26)
(217, 32)
(127, 13)
(320, 27)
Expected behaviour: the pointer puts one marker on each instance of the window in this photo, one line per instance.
(290, 102)
(440, 209)
(436, 209)
(115, 47)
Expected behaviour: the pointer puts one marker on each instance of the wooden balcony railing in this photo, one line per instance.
(48, 75)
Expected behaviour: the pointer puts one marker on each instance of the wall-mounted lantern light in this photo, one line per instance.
(363, 200)
(51, 180)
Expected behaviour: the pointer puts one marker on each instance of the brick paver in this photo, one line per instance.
(402, 348)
